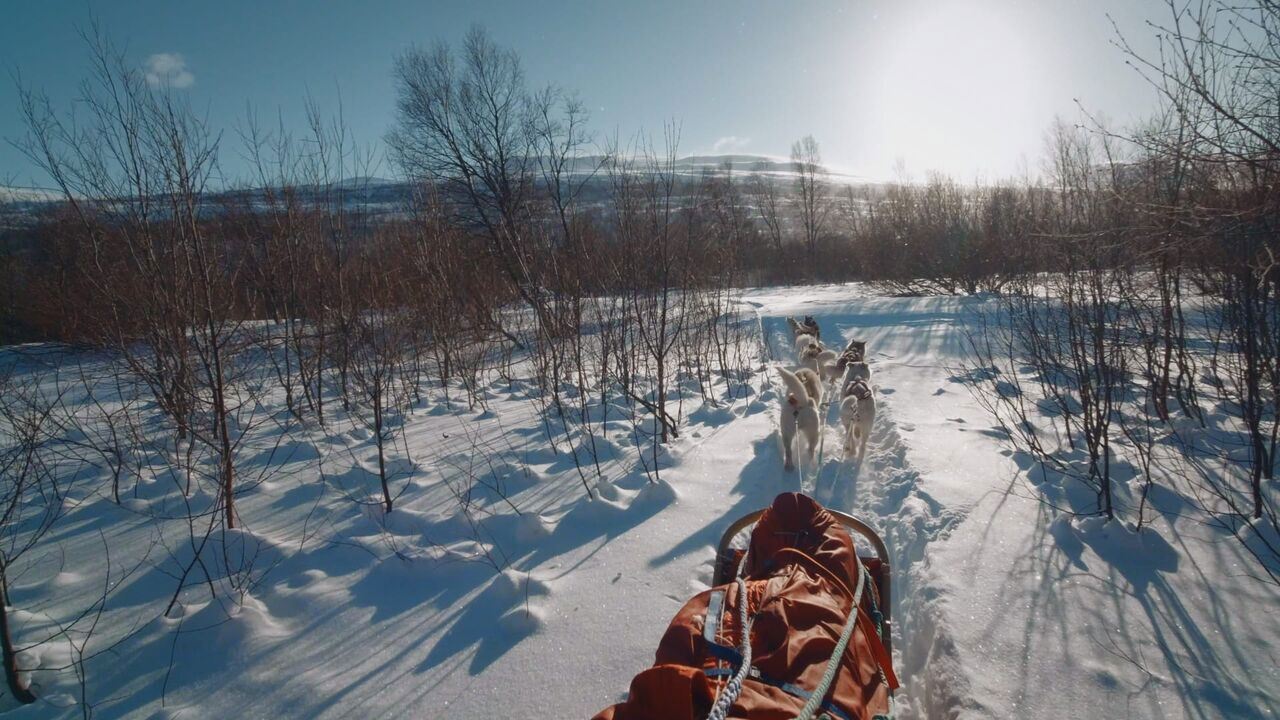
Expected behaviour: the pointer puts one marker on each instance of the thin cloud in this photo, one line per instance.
(168, 70)
(730, 144)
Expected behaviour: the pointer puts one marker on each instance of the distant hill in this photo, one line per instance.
(391, 195)
(28, 195)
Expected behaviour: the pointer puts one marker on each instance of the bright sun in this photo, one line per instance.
(957, 87)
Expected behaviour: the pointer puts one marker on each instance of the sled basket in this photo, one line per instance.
(878, 565)
(796, 625)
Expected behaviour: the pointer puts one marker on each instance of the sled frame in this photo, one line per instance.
(725, 567)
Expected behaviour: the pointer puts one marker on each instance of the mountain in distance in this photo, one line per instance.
(390, 195)
(20, 195)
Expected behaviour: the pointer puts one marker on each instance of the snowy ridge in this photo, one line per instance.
(378, 195)
(28, 195)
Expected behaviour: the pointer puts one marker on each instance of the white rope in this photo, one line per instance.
(730, 692)
(833, 665)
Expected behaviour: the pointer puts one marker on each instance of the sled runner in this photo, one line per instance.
(816, 619)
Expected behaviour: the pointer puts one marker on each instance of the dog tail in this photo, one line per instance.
(795, 387)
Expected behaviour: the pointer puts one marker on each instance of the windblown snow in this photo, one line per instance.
(497, 587)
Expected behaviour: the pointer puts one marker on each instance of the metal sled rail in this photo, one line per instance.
(726, 566)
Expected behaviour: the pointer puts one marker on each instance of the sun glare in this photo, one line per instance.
(957, 81)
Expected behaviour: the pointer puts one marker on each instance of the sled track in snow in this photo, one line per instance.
(885, 490)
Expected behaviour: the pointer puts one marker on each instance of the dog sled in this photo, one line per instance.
(796, 625)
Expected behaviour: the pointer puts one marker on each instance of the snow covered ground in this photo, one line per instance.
(1001, 608)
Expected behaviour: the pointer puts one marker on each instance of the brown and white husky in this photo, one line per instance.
(857, 414)
(799, 413)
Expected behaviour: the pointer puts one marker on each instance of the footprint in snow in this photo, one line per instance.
(907, 427)
(940, 391)
(887, 391)
(957, 420)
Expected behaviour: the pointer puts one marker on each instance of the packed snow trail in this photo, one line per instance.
(882, 488)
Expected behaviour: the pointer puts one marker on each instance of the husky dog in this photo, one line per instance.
(811, 357)
(821, 360)
(856, 350)
(827, 365)
(808, 326)
(857, 413)
(856, 371)
(845, 358)
(803, 341)
(800, 412)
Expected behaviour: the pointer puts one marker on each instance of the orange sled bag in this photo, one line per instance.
(801, 575)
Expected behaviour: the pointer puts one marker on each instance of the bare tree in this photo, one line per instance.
(1218, 71)
(766, 195)
(467, 124)
(135, 174)
(33, 494)
(382, 335)
(811, 192)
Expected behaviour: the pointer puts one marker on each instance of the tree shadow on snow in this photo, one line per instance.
(759, 482)
(1127, 580)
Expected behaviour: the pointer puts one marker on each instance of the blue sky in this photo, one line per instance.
(964, 86)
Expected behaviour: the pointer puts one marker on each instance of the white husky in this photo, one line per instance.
(857, 413)
(827, 365)
(800, 412)
(808, 355)
(803, 341)
(820, 360)
(856, 371)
